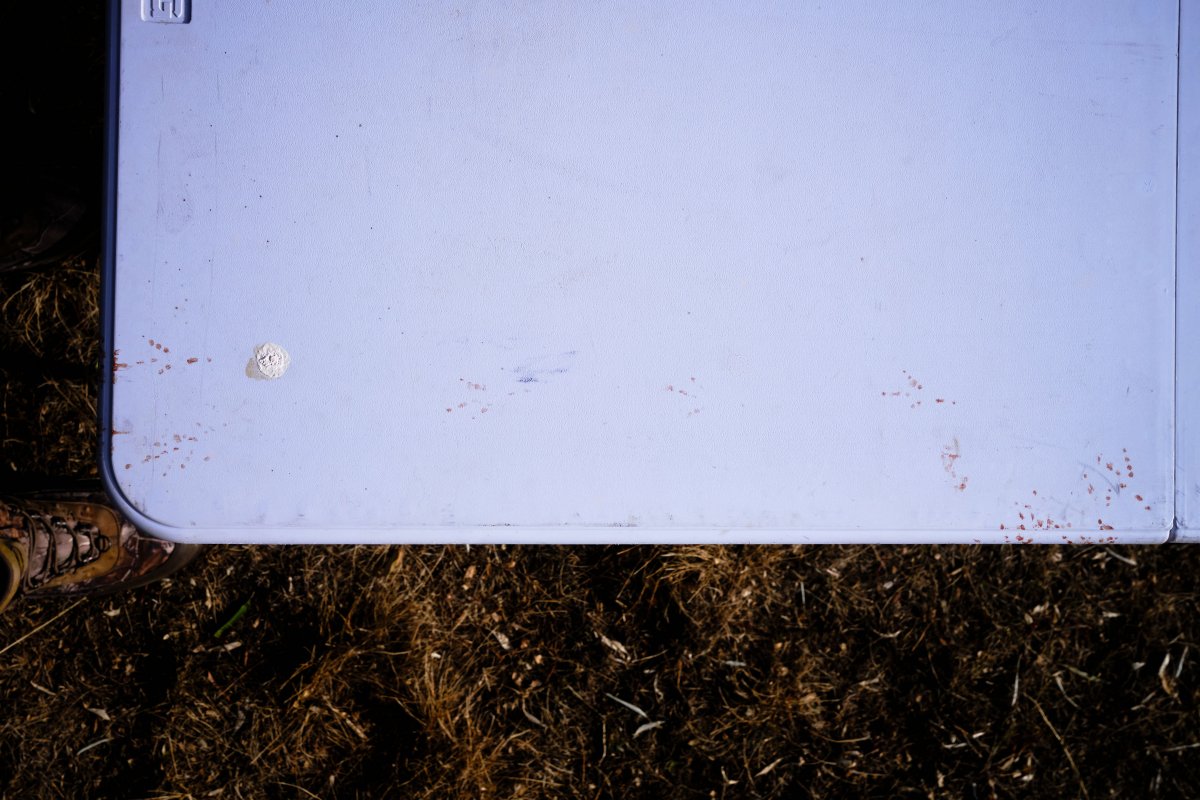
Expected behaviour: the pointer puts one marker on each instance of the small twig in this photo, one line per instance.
(10, 646)
(630, 706)
(1120, 557)
(1061, 688)
(301, 788)
(866, 738)
(241, 612)
(1162, 674)
(1070, 759)
(344, 717)
(649, 726)
(531, 717)
(1077, 671)
(767, 769)
(87, 747)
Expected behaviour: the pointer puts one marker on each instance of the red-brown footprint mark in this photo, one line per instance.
(690, 390)
(175, 451)
(1031, 518)
(913, 390)
(1076, 538)
(162, 349)
(1107, 484)
(167, 364)
(950, 455)
(117, 365)
(1112, 480)
(472, 404)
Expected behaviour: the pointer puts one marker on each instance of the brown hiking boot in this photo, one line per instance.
(78, 544)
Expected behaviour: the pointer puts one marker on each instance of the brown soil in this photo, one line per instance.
(445, 672)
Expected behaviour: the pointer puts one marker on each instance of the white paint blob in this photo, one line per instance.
(270, 361)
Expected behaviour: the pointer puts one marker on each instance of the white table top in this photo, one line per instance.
(628, 272)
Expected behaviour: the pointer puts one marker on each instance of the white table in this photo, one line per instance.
(645, 272)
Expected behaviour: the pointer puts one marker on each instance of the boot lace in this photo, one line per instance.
(67, 545)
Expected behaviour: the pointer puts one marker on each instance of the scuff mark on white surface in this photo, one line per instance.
(269, 362)
(542, 369)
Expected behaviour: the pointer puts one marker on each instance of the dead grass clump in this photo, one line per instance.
(49, 356)
(616, 672)
(54, 313)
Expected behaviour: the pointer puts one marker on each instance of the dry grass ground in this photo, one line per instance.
(445, 672)
(610, 672)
